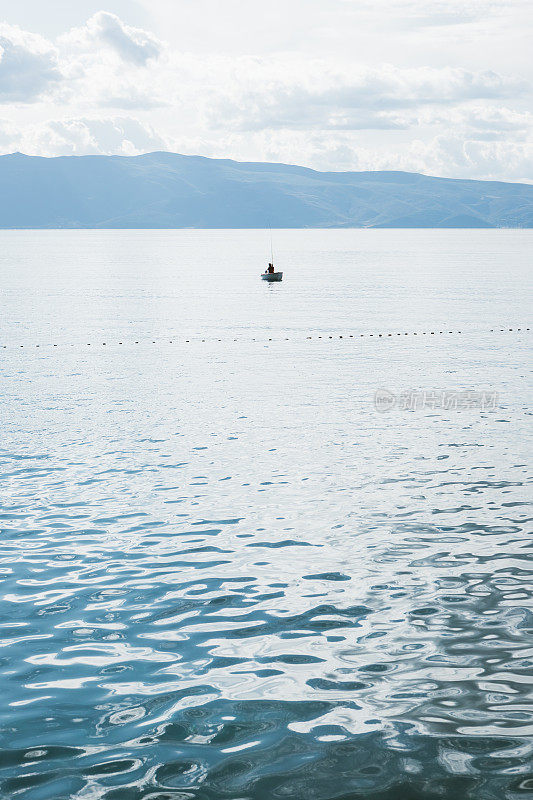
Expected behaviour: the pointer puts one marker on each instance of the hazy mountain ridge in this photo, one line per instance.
(166, 190)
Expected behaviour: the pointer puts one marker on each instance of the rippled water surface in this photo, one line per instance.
(224, 573)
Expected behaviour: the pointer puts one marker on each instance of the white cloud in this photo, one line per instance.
(10, 136)
(447, 155)
(454, 156)
(106, 87)
(471, 33)
(312, 95)
(28, 65)
(482, 121)
(71, 137)
(450, 155)
(107, 64)
(104, 30)
(436, 12)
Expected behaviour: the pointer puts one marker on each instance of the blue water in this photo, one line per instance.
(225, 573)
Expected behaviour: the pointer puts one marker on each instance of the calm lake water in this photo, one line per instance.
(225, 574)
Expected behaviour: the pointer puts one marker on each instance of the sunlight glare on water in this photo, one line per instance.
(225, 573)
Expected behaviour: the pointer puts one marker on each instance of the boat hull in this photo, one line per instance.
(272, 277)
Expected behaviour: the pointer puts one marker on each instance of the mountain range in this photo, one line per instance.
(167, 190)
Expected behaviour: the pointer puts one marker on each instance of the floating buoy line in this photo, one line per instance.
(324, 336)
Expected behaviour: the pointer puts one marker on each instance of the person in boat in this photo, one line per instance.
(270, 268)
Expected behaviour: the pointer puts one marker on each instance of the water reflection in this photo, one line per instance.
(206, 597)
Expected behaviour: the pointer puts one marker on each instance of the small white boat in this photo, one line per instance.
(269, 274)
(271, 277)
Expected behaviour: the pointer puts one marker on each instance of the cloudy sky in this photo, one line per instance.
(436, 86)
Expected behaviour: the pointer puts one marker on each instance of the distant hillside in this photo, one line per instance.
(165, 190)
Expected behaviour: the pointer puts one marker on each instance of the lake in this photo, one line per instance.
(265, 541)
